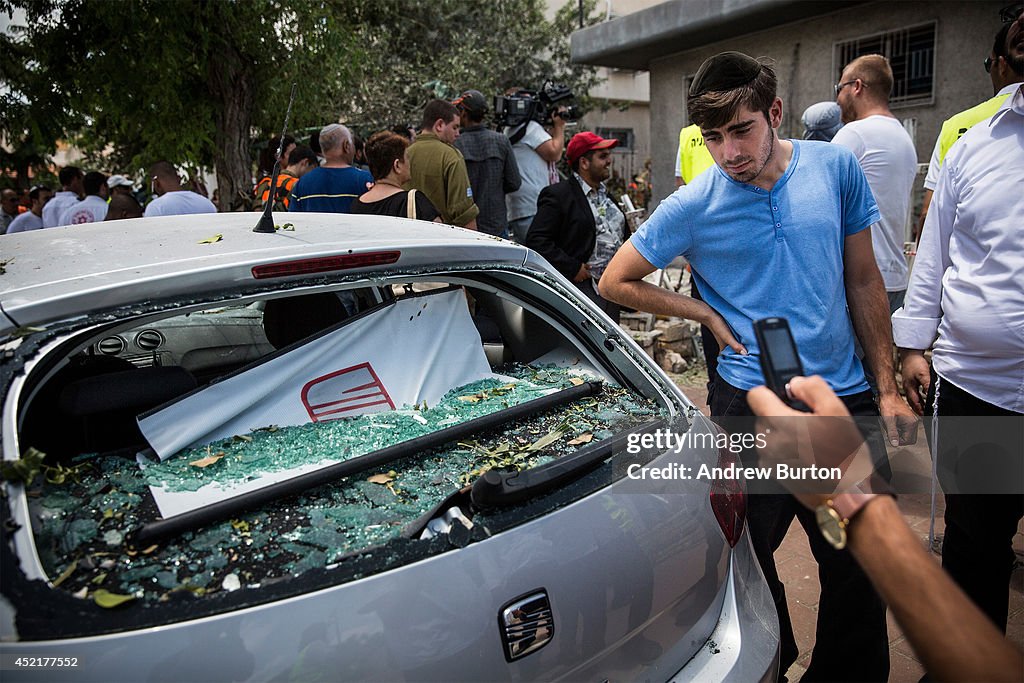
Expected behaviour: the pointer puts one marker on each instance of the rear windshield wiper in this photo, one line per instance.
(507, 486)
(156, 530)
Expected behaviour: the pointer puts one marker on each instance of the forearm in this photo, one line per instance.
(869, 312)
(643, 296)
(953, 638)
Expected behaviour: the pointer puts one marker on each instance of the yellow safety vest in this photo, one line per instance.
(694, 157)
(955, 126)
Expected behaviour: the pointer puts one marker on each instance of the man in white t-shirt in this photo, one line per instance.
(71, 189)
(887, 156)
(536, 151)
(171, 199)
(92, 209)
(33, 218)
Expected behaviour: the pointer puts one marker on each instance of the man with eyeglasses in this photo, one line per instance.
(1006, 73)
(887, 156)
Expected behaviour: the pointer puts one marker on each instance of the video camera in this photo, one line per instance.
(540, 106)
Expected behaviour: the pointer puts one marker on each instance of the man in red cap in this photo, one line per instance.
(578, 227)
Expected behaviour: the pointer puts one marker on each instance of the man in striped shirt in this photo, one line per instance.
(332, 187)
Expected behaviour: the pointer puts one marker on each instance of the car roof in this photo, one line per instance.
(54, 273)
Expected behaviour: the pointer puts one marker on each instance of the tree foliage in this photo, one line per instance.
(420, 49)
(196, 81)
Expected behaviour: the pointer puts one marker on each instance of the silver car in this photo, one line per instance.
(498, 531)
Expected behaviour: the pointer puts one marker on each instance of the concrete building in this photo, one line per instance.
(936, 49)
(623, 98)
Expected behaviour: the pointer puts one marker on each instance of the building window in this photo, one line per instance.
(623, 135)
(911, 53)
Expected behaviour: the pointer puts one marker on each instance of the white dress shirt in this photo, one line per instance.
(966, 291)
(934, 164)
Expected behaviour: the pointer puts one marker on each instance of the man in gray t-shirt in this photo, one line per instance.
(535, 151)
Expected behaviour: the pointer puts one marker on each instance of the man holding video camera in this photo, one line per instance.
(536, 150)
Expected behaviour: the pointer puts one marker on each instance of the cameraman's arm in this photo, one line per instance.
(552, 149)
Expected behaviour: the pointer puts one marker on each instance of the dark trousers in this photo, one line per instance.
(851, 641)
(708, 343)
(977, 549)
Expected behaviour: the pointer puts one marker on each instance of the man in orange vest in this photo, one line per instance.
(301, 160)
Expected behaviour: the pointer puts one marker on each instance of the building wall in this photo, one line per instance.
(627, 162)
(803, 61)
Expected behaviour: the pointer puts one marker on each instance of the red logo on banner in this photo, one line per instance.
(331, 396)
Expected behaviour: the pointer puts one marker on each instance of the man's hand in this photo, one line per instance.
(917, 378)
(583, 274)
(899, 420)
(826, 437)
(723, 335)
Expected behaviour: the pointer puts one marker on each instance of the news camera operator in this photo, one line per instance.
(537, 148)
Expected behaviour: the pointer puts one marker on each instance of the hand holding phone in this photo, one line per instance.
(780, 360)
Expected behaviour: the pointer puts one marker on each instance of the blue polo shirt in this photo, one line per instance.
(329, 190)
(757, 253)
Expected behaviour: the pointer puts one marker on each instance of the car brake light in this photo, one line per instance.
(325, 264)
(729, 500)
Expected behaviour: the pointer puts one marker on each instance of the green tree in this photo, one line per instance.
(194, 81)
(186, 81)
(436, 48)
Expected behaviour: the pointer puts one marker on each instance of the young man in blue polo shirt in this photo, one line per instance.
(779, 228)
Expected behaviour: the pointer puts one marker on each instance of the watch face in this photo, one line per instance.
(831, 526)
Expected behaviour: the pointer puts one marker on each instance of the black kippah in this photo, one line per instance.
(724, 71)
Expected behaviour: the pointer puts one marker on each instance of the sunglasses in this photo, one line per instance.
(988, 64)
(1010, 12)
(839, 86)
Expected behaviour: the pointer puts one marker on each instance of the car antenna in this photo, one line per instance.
(266, 222)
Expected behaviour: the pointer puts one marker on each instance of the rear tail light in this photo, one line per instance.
(729, 499)
(325, 264)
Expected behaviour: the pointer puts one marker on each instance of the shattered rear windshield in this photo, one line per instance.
(85, 512)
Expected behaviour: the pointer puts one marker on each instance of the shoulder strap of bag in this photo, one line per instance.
(410, 207)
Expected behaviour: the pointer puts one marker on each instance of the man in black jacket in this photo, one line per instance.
(578, 227)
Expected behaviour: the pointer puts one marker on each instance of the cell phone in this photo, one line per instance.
(780, 360)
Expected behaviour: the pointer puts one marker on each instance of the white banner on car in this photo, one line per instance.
(413, 350)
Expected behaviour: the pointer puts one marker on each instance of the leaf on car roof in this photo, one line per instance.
(208, 460)
(210, 240)
(286, 226)
(107, 600)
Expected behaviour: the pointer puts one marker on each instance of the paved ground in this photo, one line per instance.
(798, 570)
